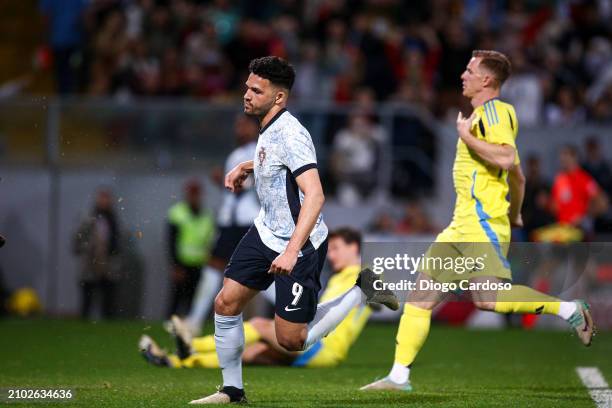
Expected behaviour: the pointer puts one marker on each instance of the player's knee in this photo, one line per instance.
(484, 305)
(290, 343)
(225, 308)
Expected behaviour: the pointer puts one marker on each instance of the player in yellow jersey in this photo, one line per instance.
(261, 346)
(486, 169)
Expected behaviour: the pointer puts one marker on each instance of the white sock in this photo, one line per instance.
(208, 287)
(229, 342)
(331, 313)
(270, 293)
(566, 310)
(399, 373)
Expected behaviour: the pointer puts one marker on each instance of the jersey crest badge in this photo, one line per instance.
(261, 155)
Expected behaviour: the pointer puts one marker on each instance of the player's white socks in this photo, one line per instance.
(566, 310)
(399, 373)
(331, 313)
(208, 287)
(229, 342)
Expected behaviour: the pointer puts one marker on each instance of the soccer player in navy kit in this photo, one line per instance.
(288, 242)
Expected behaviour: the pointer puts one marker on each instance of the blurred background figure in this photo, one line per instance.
(596, 164)
(576, 196)
(356, 155)
(64, 25)
(191, 229)
(599, 168)
(415, 220)
(382, 223)
(234, 218)
(98, 244)
(536, 206)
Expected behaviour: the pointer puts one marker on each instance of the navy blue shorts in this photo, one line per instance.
(297, 294)
(228, 240)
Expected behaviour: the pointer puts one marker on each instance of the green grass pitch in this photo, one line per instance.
(457, 368)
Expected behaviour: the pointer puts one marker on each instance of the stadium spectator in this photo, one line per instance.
(536, 206)
(356, 154)
(415, 220)
(383, 223)
(564, 110)
(309, 73)
(64, 22)
(191, 229)
(523, 91)
(596, 164)
(598, 167)
(575, 194)
(415, 87)
(98, 243)
(110, 45)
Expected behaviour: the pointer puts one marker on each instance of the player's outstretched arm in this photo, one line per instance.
(499, 155)
(516, 182)
(310, 184)
(235, 178)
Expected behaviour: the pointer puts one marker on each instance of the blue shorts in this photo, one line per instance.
(297, 294)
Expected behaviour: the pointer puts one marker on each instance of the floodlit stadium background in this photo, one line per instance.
(140, 96)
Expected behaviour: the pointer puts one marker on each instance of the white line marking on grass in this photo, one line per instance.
(596, 384)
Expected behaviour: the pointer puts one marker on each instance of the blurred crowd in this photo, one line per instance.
(399, 50)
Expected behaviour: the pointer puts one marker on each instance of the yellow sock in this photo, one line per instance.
(205, 360)
(523, 299)
(411, 334)
(206, 344)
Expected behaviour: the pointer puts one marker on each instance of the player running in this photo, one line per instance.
(288, 242)
(260, 341)
(486, 169)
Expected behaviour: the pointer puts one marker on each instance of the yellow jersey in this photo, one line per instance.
(482, 189)
(346, 333)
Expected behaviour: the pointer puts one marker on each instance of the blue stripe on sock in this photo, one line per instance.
(305, 357)
(483, 217)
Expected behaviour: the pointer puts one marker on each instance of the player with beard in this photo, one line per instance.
(288, 242)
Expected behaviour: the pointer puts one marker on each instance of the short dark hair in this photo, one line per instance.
(275, 69)
(496, 62)
(348, 235)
